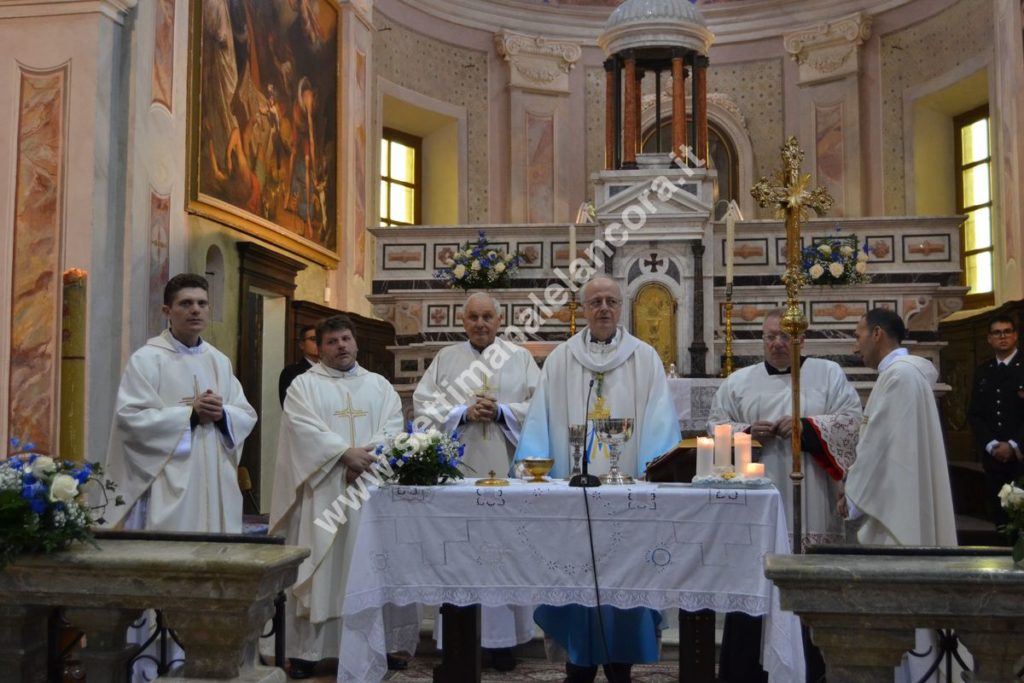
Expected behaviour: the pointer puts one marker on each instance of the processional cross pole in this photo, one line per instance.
(790, 197)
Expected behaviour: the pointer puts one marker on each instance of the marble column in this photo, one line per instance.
(700, 105)
(629, 124)
(611, 103)
(698, 349)
(678, 104)
(637, 108)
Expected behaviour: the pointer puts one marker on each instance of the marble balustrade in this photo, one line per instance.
(216, 596)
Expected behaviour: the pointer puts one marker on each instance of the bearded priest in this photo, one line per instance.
(335, 414)
(602, 369)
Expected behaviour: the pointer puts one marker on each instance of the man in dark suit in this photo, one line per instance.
(997, 411)
(310, 355)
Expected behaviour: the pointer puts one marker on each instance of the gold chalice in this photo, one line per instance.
(538, 467)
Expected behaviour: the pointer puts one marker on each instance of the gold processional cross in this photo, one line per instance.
(351, 414)
(791, 199)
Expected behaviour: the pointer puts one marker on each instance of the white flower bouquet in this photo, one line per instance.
(422, 458)
(477, 265)
(1011, 499)
(41, 502)
(836, 261)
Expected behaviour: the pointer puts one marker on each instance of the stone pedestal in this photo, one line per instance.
(862, 609)
(217, 596)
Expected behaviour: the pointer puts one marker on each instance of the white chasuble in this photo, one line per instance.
(626, 376)
(831, 405)
(183, 479)
(900, 482)
(509, 374)
(326, 412)
(457, 374)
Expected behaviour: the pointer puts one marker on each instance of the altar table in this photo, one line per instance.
(662, 546)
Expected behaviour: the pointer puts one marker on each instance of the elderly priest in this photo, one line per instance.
(603, 371)
(481, 388)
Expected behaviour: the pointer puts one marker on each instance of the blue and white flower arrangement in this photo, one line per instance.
(836, 261)
(478, 265)
(422, 458)
(41, 501)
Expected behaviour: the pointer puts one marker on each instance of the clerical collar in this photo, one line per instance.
(335, 372)
(891, 357)
(608, 342)
(1008, 359)
(180, 347)
(772, 370)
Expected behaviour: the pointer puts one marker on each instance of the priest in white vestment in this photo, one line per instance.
(179, 424)
(335, 414)
(757, 400)
(481, 388)
(900, 481)
(602, 368)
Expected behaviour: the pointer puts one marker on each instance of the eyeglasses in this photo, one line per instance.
(1001, 333)
(610, 302)
(772, 338)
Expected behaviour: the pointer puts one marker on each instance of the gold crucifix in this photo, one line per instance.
(351, 414)
(191, 400)
(791, 199)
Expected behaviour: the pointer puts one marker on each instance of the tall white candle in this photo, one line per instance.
(572, 250)
(723, 445)
(742, 442)
(730, 242)
(705, 456)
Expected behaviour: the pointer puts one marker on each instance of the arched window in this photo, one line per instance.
(721, 156)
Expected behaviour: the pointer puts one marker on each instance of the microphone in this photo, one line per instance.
(586, 480)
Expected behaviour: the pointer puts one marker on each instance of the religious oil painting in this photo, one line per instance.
(263, 103)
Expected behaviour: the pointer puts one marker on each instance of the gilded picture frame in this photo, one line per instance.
(263, 103)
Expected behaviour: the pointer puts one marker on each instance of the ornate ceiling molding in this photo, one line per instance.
(23, 9)
(537, 63)
(829, 50)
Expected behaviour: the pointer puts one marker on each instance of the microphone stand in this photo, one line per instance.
(585, 479)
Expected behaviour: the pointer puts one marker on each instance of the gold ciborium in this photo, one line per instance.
(614, 432)
(538, 467)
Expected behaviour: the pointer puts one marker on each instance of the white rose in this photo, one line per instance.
(846, 250)
(836, 269)
(433, 433)
(42, 467)
(816, 271)
(825, 249)
(475, 265)
(63, 489)
(1010, 496)
(499, 267)
(861, 267)
(459, 271)
(862, 255)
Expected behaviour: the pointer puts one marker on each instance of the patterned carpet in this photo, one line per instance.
(420, 671)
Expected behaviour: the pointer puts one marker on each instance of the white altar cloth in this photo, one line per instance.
(662, 546)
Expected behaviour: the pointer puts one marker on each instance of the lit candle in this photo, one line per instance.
(730, 243)
(754, 470)
(572, 250)
(742, 442)
(705, 456)
(723, 445)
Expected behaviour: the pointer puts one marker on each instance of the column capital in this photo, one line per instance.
(830, 50)
(536, 63)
